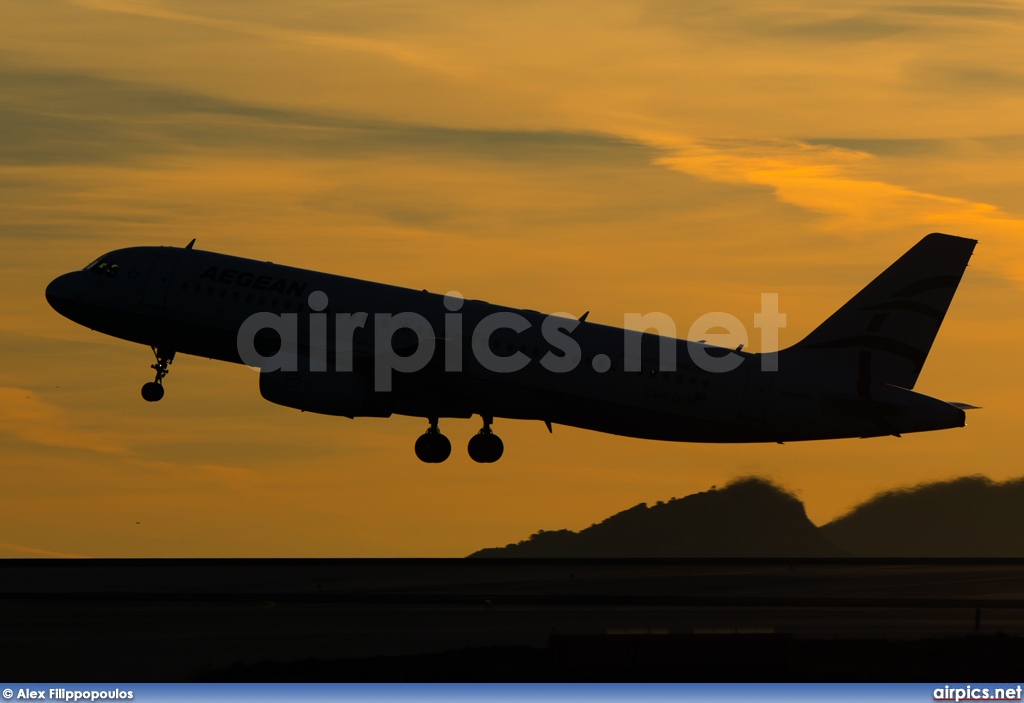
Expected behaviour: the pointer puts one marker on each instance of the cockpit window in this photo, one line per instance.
(102, 267)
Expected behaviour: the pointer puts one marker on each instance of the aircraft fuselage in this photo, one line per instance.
(608, 379)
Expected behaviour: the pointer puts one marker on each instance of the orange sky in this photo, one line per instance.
(612, 157)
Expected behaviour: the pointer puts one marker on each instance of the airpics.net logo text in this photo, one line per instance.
(717, 351)
(977, 693)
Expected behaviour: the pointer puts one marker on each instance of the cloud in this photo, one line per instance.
(996, 10)
(1004, 142)
(21, 551)
(946, 77)
(844, 29)
(51, 117)
(839, 185)
(392, 50)
(26, 417)
(815, 23)
(891, 147)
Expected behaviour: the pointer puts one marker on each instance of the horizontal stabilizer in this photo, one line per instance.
(966, 406)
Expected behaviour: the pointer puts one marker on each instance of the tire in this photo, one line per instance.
(152, 392)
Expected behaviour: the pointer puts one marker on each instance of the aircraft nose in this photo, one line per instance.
(60, 294)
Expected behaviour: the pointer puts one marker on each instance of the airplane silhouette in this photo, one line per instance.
(348, 347)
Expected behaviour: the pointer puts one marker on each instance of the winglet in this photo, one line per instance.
(189, 245)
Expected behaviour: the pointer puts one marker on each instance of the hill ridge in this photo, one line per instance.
(970, 516)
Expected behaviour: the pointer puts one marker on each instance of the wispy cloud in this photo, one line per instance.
(966, 78)
(997, 10)
(858, 28)
(25, 416)
(891, 146)
(412, 56)
(837, 22)
(59, 117)
(839, 185)
(20, 551)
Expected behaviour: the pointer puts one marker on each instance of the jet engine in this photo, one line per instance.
(327, 392)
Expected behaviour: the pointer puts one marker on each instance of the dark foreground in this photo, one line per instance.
(511, 620)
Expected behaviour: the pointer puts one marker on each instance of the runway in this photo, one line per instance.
(175, 619)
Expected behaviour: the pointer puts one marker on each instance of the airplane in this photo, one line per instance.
(347, 347)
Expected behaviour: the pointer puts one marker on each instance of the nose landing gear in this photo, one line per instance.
(432, 447)
(154, 390)
(486, 447)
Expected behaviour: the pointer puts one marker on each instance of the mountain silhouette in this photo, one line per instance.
(971, 516)
(750, 517)
(966, 517)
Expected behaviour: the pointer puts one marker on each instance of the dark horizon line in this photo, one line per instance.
(178, 562)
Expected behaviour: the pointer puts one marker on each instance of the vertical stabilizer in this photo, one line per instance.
(885, 332)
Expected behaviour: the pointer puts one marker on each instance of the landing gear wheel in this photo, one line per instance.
(152, 391)
(432, 447)
(486, 447)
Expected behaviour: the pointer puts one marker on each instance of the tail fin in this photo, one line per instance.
(887, 330)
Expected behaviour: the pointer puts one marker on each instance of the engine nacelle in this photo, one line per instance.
(327, 393)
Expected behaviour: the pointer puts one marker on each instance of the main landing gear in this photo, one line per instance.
(433, 447)
(486, 447)
(154, 390)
